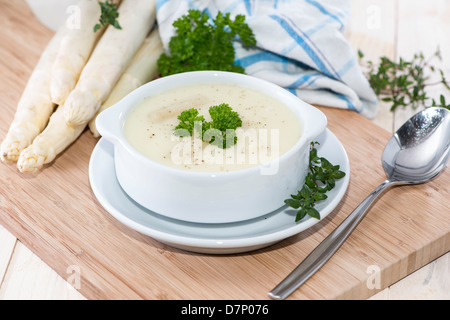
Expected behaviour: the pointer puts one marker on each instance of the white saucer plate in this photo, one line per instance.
(224, 238)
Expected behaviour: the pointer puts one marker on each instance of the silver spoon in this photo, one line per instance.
(416, 153)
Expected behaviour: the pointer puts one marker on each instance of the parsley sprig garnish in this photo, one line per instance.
(221, 131)
(188, 120)
(198, 45)
(404, 82)
(321, 178)
(109, 15)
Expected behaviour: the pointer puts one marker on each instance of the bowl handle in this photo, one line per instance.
(109, 123)
(317, 123)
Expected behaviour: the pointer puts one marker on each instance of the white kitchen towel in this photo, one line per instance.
(300, 46)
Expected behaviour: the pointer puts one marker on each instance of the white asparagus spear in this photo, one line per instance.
(111, 56)
(142, 69)
(58, 135)
(35, 105)
(75, 49)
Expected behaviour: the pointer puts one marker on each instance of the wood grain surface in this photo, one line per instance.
(56, 215)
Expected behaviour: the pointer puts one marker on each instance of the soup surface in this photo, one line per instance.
(269, 128)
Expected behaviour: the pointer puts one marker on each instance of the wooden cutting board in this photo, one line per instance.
(56, 215)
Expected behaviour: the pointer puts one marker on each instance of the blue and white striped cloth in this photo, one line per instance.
(300, 46)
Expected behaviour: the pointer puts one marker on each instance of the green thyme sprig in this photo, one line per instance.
(108, 16)
(321, 178)
(404, 83)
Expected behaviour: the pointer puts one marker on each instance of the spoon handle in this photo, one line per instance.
(323, 252)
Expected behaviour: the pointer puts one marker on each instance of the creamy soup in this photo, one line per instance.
(269, 128)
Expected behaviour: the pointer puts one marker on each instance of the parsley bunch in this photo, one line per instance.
(221, 131)
(108, 16)
(404, 83)
(189, 119)
(320, 179)
(198, 45)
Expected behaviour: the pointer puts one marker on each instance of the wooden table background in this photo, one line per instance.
(379, 27)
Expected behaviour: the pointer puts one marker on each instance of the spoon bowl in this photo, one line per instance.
(419, 150)
(416, 153)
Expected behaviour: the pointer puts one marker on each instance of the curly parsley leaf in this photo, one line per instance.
(190, 120)
(221, 131)
(198, 45)
(224, 123)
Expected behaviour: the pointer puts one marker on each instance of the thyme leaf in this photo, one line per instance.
(321, 178)
(108, 16)
(404, 83)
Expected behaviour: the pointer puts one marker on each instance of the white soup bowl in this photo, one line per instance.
(210, 197)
